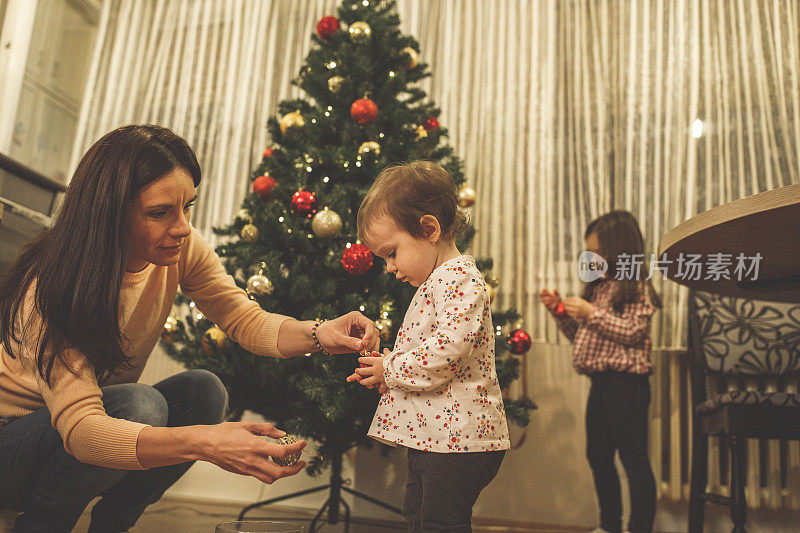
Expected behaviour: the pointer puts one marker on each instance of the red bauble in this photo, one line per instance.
(364, 111)
(357, 259)
(268, 153)
(327, 26)
(560, 312)
(263, 185)
(431, 124)
(519, 341)
(304, 203)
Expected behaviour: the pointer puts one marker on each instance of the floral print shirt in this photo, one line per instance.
(443, 391)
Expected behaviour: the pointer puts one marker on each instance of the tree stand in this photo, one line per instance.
(333, 502)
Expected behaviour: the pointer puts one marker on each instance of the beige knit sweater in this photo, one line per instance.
(75, 399)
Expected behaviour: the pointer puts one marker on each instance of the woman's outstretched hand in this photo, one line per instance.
(238, 447)
(349, 333)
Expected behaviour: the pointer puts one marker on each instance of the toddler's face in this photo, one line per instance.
(409, 258)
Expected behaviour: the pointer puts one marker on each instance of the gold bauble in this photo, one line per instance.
(171, 327)
(370, 147)
(249, 233)
(289, 460)
(384, 326)
(360, 32)
(420, 132)
(335, 83)
(466, 196)
(259, 285)
(327, 223)
(409, 58)
(292, 120)
(214, 340)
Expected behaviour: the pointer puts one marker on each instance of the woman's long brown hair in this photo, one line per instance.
(618, 233)
(78, 264)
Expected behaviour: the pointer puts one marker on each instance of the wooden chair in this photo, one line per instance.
(7, 520)
(739, 339)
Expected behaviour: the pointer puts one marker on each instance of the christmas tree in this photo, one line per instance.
(293, 245)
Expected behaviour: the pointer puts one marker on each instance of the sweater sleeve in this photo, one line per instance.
(205, 281)
(76, 409)
(568, 326)
(628, 329)
(75, 402)
(456, 335)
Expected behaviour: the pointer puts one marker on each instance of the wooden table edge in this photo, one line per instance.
(743, 207)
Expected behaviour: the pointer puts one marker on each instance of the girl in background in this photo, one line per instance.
(610, 329)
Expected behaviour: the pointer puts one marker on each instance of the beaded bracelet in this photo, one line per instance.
(318, 346)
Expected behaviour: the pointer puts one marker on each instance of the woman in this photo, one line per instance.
(80, 312)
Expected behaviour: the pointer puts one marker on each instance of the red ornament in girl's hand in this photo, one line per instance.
(304, 203)
(357, 259)
(262, 186)
(519, 341)
(364, 111)
(560, 312)
(327, 26)
(267, 153)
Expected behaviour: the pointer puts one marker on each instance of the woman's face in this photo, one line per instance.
(160, 220)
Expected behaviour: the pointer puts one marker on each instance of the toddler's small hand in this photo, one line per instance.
(371, 372)
(362, 364)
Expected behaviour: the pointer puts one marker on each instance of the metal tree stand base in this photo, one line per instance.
(332, 503)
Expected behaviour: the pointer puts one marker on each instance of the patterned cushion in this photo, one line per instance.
(748, 337)
(739, 397)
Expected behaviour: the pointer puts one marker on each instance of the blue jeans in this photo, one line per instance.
(51, 488)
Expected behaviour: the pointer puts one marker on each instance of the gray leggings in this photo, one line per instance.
(52, 488)
(443, 487)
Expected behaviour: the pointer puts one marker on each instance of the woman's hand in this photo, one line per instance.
(349, 333)
(238, 448)
(550, 299)
(578, 307)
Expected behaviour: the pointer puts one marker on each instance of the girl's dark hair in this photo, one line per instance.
(405, 193)
(78, 264)
(618, 233)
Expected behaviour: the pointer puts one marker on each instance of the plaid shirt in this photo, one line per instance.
(607, 341)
